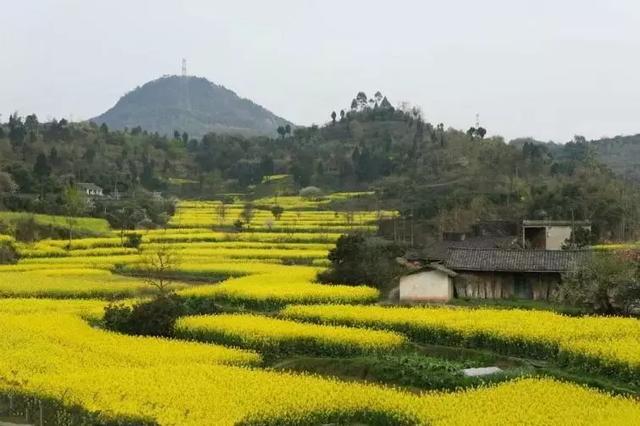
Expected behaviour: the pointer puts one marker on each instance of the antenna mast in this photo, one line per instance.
(184, 67)
(477, 120)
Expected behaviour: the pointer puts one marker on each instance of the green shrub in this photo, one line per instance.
(133, 240)
(156, 317)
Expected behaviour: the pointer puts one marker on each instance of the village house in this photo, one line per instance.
(487, 273)
(89, 189)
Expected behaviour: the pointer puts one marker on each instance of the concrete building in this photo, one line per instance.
(549, 234)
(431, 283)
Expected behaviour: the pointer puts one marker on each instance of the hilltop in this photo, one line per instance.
(189, 104)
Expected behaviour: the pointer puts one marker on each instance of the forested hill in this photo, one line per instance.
(620, 153)
(189, 104)
(447, 177)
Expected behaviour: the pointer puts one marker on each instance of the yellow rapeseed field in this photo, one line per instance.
(282, 336)
(48, 351)
(49, 348)
(592, 342)
(283, 285)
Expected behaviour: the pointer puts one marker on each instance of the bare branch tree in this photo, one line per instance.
(159, 267)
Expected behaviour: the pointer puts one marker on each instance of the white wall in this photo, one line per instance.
(556, 236)
(426, 286)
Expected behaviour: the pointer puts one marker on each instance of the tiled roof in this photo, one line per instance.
(439, 250)
(508, 260)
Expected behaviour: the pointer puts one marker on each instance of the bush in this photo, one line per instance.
(133, 240)
(156, 317)
(8, 253)
(26, 230)
(358, 260)
(277, 211)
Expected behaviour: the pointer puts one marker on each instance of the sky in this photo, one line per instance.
(542, 69)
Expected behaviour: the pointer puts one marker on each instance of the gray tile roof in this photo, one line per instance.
(511, 260)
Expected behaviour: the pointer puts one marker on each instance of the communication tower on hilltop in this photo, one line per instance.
(477, 120)
(186, 97)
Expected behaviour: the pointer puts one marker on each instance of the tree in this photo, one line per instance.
(287, 129)
(277, 211)
(333, 117)
(41, 168)
(378, 98)
(361, 100)
(471, 132)
(221, 212)
(7, 184)
(247, 213)
(607, 283)
(159, 266)
(75, 204)
(385, 104)
(281, 131)
(342, 114)
(17, 131)
(358, 259)
(581, 237)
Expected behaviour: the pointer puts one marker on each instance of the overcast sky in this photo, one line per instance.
(546, 69)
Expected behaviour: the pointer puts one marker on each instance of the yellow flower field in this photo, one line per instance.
(51, 352)
(51, 349)
(592, 342)
(72, 283)
(282, 285)
(282, 336)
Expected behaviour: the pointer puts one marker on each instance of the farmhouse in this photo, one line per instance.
(488, 273)
(89, 189)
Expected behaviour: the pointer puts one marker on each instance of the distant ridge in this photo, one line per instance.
(190, 104)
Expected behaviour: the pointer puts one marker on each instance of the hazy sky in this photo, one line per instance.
(547, 69)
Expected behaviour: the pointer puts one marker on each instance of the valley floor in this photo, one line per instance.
(284, 349)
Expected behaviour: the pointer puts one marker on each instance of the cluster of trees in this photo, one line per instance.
(363, 260)
(448, 177)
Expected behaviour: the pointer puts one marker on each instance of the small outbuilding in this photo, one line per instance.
(549, 234)
(430, 283)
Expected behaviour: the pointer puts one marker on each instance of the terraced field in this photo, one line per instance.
(54, 356)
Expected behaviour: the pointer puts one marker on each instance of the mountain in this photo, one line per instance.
(190, 104)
